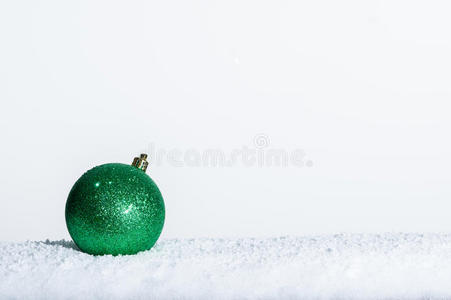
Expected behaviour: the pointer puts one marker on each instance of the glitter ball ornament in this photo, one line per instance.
(115, 209)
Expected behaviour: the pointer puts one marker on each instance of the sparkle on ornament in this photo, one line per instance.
(128, 209)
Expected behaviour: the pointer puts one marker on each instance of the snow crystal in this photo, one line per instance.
(406, 266)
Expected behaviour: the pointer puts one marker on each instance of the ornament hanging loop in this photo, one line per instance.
(141, 162)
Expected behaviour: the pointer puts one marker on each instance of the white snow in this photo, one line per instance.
(395, 266)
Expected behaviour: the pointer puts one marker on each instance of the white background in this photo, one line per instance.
(362, 86)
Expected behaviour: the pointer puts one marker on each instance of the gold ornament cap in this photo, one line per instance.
(141, 162)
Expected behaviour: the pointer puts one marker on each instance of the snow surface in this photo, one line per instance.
(409, 266)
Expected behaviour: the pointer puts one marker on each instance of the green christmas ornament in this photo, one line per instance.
(115, 209)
